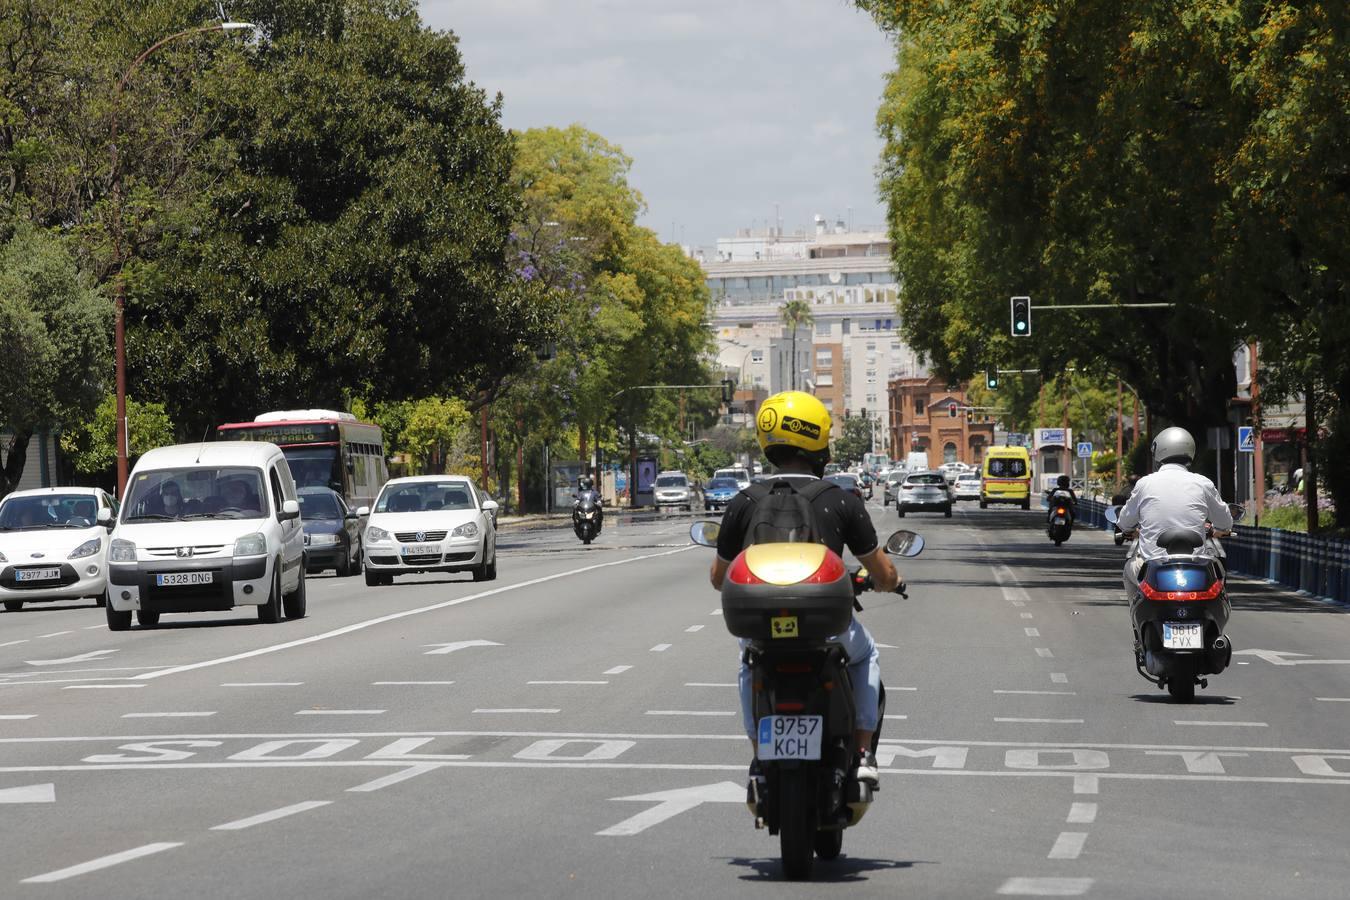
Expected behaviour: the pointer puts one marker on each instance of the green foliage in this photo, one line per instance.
(855, 440)
(1104, 463)
(91, 444)
(1295, 518)
(437, 436)
(1138, 461)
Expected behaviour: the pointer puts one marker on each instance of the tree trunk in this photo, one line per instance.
(15, 461)
(1310, 475)
(581, 449)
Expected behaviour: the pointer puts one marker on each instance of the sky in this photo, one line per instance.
(727, 107)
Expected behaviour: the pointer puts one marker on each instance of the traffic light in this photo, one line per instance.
(728, 390)
(1021, 316)
(951, 409)
(991, 379)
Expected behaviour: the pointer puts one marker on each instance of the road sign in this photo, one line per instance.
(1084, 450)
(1246, 439)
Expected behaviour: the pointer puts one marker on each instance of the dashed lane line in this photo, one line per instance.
(661, 648)
(271, 815)
(1221, 724)
(711, 684)
(1045, 887)
(392, 779)
(167, 715)
(12, 717)
(1040, 693)
(1013, 721)
(1069, 845)
(617, 670)
(689, 712)
(692, 628)
(1032, 632)
(567, 682)
(1059, 678)
(1044, 653)
(103, 862)
(398, 683)
(12, 643)
(96, 687)
(340, 712)
(1082, 814)
(246, 684)
(508, 710)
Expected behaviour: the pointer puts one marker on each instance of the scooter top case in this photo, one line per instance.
(787, 593)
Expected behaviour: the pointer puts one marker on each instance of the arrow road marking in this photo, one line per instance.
(457, 645)
(671, 803)
(33, 793)
(83, 657)
(1284, 658)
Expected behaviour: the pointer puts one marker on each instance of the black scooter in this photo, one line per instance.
(1179, 608)
(1059, 520)
(587, 518)
(807, 792)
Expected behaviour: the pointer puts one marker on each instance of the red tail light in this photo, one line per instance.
(793, 668)
(740, 573)
(1210, 593)
(1061, 511)
(789, 707)
(831, 570)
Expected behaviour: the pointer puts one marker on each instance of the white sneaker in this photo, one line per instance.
(867, 769)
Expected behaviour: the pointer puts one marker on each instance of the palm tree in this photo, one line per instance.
(795, 314)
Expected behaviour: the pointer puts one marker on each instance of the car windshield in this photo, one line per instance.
(927, 478)
(967, 477)
(847, 481)
(210, 492)
(48, 511)
(722, 483)
(671, 481)
(1007, 468)
(425, 496)
(314, 467)
(319, 506)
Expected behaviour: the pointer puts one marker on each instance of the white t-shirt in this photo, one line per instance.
(1172, 497)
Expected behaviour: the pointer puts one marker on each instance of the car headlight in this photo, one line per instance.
(120, 551)
(377, 534)
(321, 539)
(88, 548)
(251, 545)
(468, 529)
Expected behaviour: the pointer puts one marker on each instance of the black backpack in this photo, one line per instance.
(783, 512)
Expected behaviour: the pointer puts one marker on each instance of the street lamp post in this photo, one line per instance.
(119, 288)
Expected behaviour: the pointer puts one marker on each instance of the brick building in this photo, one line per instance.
(921, 420)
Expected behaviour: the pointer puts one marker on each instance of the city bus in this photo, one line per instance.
(323, 448)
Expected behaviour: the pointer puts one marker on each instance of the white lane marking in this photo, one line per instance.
(1044, 653)
(692, 628)
(882, 646)
(1032, 632)
(617, 670)
(1059, 678)
(715, 612)
(96, 687)
(167, 715)
(54, 634)
(395, 778)
(391, 617)
(1082, 814)
(93, 627)
(1019, 603)
(1038, 721)
(889, 688)
(1198, 762)
(14, 717)
(896, 717)
(721, 684)
(688, 712)
(1069, 845)
(1052, 693)
(660, 648)
(29, 793)
(671, 803)
(91, 656)
(1221, 724)
(1027, 616)
(340, 712)
(567, 682)
(516, 710)
(1045, 887)
(1085, 784)
(103, 862)
(262, 684)
(1333, 699)
(443, 649)
(388, 683)
(20, 641)
(271, 816)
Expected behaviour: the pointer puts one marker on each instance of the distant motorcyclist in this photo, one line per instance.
(586, 491)
(1062, 492)
(794, 432)
(1171, 498)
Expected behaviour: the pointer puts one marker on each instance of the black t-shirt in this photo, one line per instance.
(841, 516)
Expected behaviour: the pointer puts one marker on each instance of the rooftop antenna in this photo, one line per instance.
(202, 448)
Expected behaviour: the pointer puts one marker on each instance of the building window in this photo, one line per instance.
(920, 404)
(757, 356)
(824, 379)
(871, 345)
(949, 452)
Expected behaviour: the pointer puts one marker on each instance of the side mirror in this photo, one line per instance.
(350, 516)
(290, 509)
(904, 543)
(1237, 511)
(705, 533)
(1112, 514)
(104, 517)
(362, 511)
(490, 505)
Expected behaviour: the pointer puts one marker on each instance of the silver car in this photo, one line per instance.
(967, 486)
(924, 491)
(673, 489)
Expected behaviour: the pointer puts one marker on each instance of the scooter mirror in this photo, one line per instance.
(1237, 511)
(904, 543)
(705, 533)
(1112, 514)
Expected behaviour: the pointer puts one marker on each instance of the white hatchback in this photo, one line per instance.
(52, 546)
(430, 523)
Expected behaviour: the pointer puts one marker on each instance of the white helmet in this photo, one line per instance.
(1173, 443)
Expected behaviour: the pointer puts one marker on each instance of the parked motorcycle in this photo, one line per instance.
(1179, 608)
(788, 600)
(587, 518)
(1059, 520)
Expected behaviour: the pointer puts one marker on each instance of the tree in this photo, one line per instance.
(856, 440)
(55, 328)
(795, 314)
(91, 444)
(437, 437)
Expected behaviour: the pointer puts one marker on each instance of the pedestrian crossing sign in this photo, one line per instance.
(1084, 450)
(1246, 439)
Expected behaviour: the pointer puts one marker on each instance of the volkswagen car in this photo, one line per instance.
(429, 523)
(52, 546)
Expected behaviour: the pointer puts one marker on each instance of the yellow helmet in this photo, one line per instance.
(793, 419)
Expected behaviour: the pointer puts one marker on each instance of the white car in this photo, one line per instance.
(207, 528)
(968, 486)
(673, 489)
(430, 523)
(52, 546)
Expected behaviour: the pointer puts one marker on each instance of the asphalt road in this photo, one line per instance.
(571, 731)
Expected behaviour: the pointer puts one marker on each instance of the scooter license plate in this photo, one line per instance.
(1183, 636)
(790, 737)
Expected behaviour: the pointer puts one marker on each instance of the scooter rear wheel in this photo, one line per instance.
(1182, 689)
(796, 825)
(829, 843)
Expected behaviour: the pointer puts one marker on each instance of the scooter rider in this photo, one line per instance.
(794, 432)
(1062, 491)
(1172, 497)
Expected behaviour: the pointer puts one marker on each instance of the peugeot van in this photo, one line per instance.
(207, 528)
(1006, 477)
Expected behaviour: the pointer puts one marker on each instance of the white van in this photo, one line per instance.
(207, 528)
(916, 461)
(740, 473)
